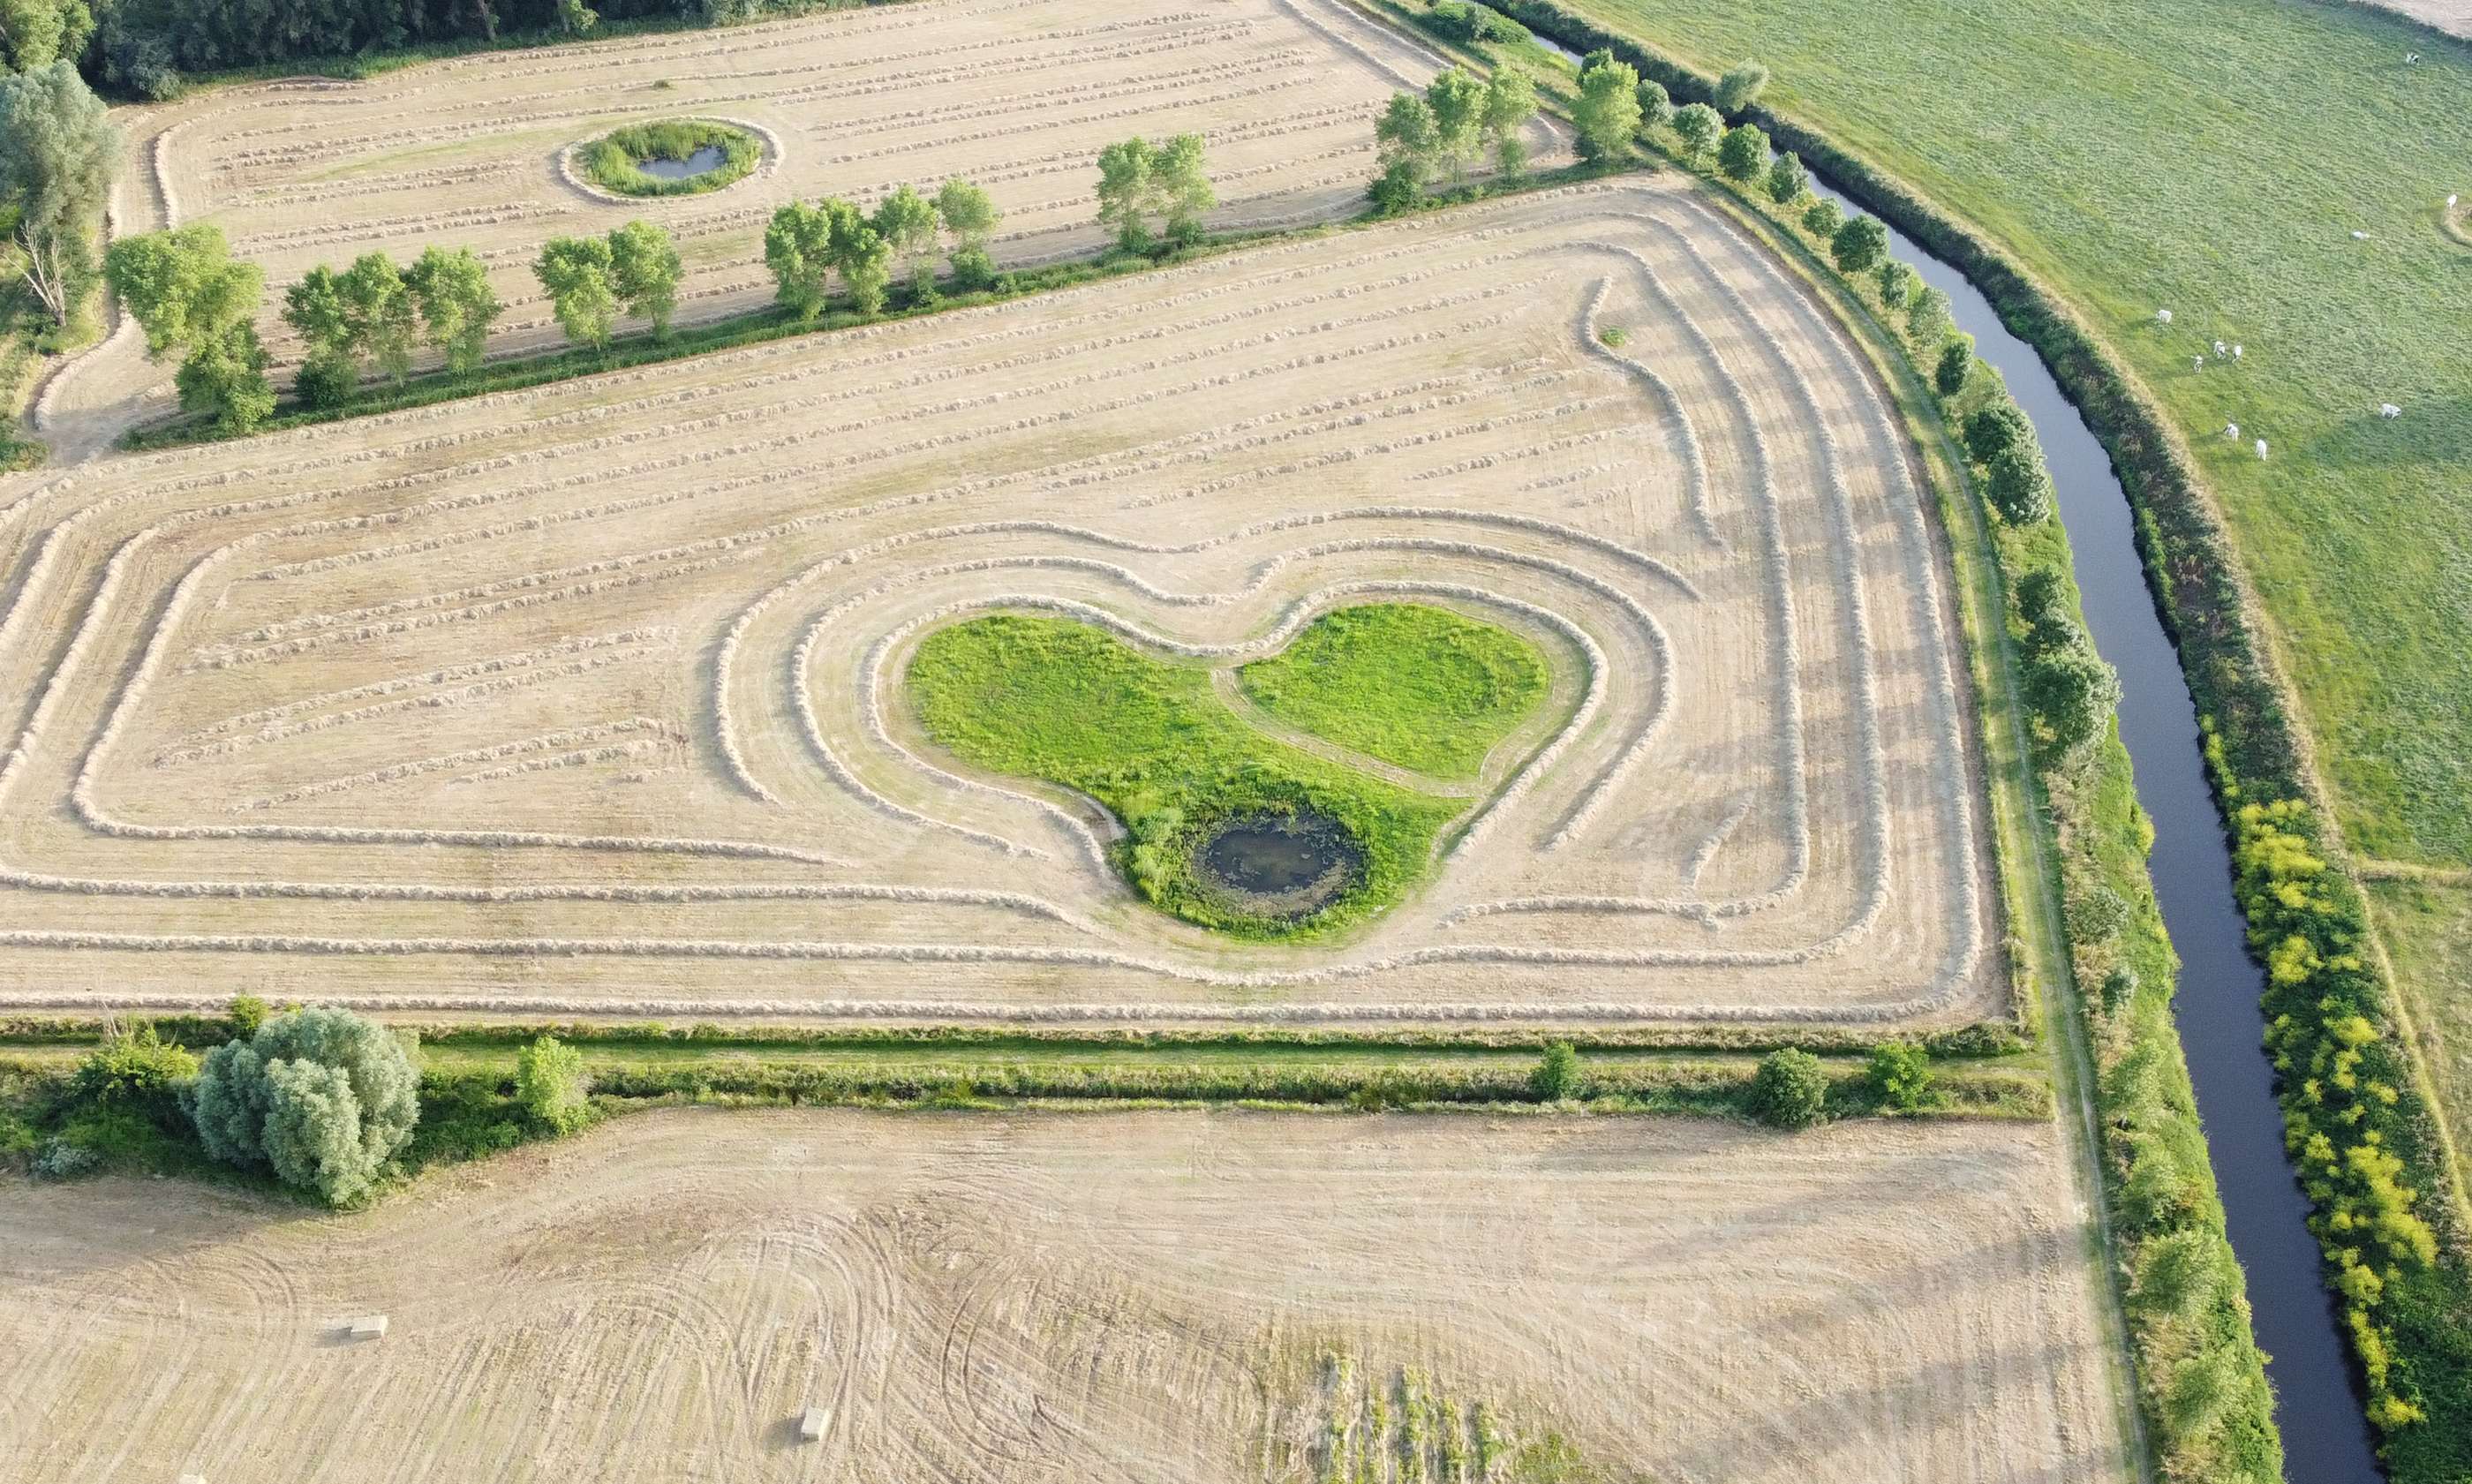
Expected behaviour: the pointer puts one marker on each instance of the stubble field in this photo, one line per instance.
(588, 698)
(1016, 95)
(1130, 1297)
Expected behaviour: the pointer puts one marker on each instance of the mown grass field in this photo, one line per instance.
(2214, 158)
(1410, 684)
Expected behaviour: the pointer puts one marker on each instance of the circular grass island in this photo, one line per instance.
(669, 157)
(1225, 825)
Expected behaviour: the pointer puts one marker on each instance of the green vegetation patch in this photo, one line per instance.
(615, 161)
(1418, 686)
(1057, 699)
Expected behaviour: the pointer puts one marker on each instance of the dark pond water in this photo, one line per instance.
(708, 157)
(1280, 865)
(2326, 1436)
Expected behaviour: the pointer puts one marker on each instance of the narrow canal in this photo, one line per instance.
(2325, 1434)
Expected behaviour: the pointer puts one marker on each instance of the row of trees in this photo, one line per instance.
(373, 310)
(806, 244)
(1140, 182)
(1442, 132)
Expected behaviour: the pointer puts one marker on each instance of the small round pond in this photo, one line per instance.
(708, 157)
(1278, 865)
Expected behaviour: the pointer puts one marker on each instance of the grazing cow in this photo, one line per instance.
(2163, 315)
(2261, 450)
(2389, 409)
(2231, 431)
(2236, 352)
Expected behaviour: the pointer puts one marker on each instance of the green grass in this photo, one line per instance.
(1408, 683)
(614, 160)
(1061, 700)
(2430, 927)
(2213, 157)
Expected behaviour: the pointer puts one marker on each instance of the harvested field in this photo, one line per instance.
(586, 699)
(1118, 1297)
(1018, 94)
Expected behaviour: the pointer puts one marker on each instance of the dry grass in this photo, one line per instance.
(1122, 1297)
(543, 700)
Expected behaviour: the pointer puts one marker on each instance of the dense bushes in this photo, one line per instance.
(615, 161)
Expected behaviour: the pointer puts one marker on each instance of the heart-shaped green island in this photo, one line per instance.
(1389, 712)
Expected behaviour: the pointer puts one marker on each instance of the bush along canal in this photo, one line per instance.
(2326, 1436)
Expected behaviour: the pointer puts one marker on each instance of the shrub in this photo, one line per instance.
(1790, 1090)
(325, 382)
(1900, 1075)
(1744, 154)
(2180, 1272)
(137, 1071)
(1932, 319)
(61, 1160)
(2018, 485)
(1955, 368)
(551, 1081)
(1857, 245)
(1787, 178)
(1558, 1076)
(1740, 87)
(322, 1097)
(1822, 218)
(248, 1013)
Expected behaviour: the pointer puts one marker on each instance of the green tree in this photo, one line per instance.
(1787, 178)
(575, 271)
(550, 1081)
(1407, 144)
(2048, 610)
(1180, 189)
(1790, 1090)
(858, 253)
(185, 291)
(2017, 485)
(35, 34)
(1557, 1074)
(1821, 219)
(1509, 103)
(1125, 192)
(1955, 366)
(322, 1097)
(797, 248)
(644, 273)
(457, 305)
(1740, 87)
(2073, 693)
(315, 308)
(909, 225)
(1655, 104)
(1744, 154)
(384, 319)
(1896, 282)
(1859, 244)
(1931, 319)
(1994, 428)
(970, 217)
(1606, 111)
(57, 167)
(1698, 126)
(2201, 1388)
(1900, 1075)
(1456, 101)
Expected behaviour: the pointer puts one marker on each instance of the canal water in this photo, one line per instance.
(2326, 1435)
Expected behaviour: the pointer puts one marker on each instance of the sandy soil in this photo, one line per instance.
(1018, 94)
(1053, 1298)
(587, 698)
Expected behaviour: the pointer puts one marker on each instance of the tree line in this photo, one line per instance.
(198, 303)
(147, 47)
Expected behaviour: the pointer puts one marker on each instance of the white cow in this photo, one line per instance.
(2389, 409)
(2231, 431)
(2163, 315)
(2261, 450)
